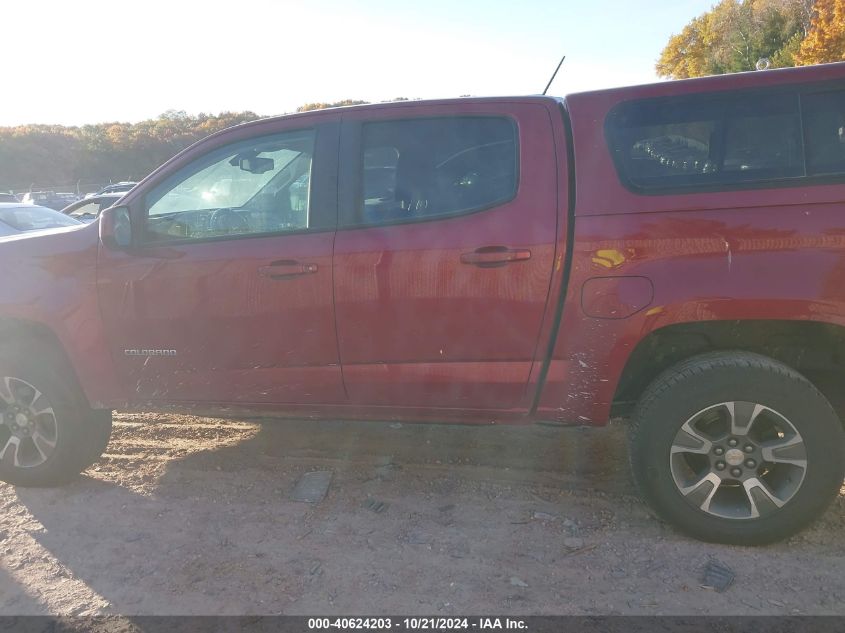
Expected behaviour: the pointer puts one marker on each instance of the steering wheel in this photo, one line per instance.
(227, 220)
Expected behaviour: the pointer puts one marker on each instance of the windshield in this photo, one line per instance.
(34, 218)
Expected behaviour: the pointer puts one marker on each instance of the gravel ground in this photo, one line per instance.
(188, 515)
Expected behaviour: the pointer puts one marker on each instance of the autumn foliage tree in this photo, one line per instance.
(52, 155)
(734, 35)
(825, 41)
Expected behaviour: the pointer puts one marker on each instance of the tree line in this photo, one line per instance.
(49, 155)
(41, 156)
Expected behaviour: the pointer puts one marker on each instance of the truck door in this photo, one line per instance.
(443, 264)
(227, 296)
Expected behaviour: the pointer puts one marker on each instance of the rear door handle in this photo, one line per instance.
(493, 256)
(285, 269)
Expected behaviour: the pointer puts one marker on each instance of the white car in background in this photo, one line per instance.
(17, 218)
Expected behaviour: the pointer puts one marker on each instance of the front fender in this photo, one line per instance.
(50, 280)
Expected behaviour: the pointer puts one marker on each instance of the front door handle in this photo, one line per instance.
(493, 256)
(285, 269)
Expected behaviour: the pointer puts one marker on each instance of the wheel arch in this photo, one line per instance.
(22, 332)
(815, 349)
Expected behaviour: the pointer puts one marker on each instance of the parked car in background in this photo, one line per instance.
(50, 199)
(8, 197)
(117, 187)
(88, 209)
(17, 218)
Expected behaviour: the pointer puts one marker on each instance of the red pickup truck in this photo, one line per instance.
(670, 254)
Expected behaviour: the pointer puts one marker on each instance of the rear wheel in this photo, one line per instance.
(734, 447)
(47, 434)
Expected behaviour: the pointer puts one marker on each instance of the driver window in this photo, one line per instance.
(421, 169)
(252, 187)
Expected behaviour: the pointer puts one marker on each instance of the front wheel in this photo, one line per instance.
(47, 434)
(734, 447)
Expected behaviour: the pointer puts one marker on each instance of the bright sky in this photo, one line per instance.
(90, 61)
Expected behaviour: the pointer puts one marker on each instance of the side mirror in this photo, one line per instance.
(116, 228)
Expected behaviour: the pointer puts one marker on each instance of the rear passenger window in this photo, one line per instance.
(671, 144)
(824, 132)
(419, 169)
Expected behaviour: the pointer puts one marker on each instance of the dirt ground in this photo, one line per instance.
(189, 515)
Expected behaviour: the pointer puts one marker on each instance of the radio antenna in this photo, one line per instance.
(554, 74)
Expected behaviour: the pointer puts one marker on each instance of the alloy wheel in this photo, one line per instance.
(738, 460)
(28, 426)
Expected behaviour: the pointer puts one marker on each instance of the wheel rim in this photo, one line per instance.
(738, 460)
(29, 430)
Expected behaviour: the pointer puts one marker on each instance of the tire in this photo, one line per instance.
(98, 428)
(736, 448)
(47, 433)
